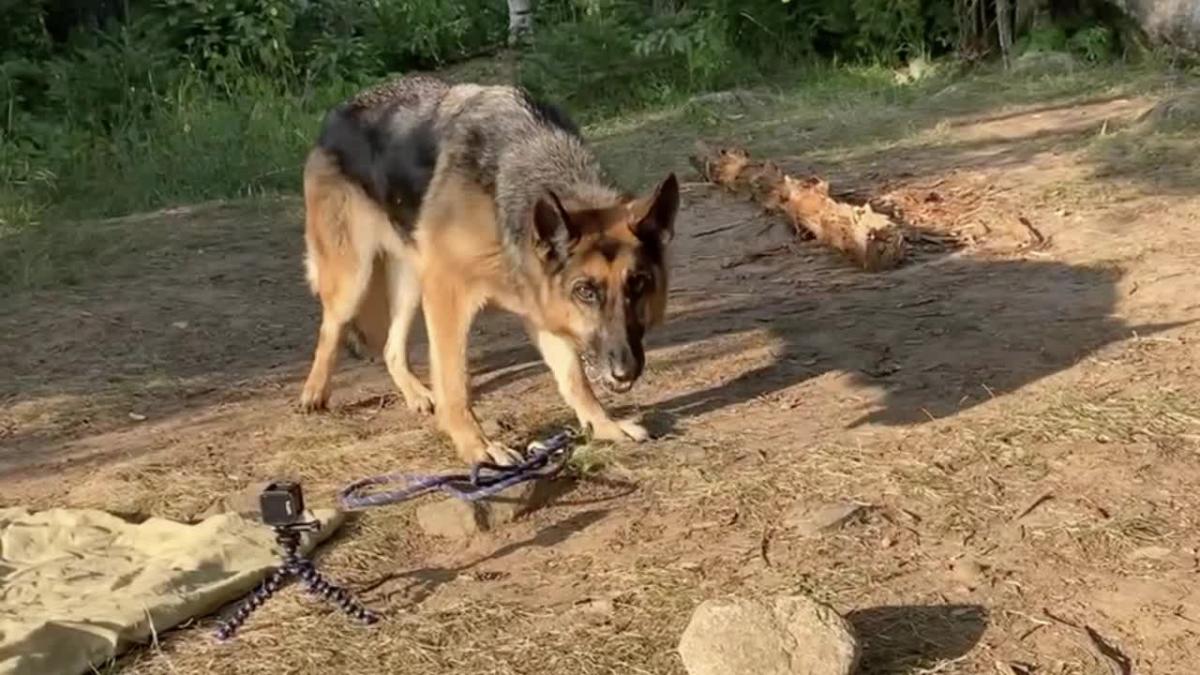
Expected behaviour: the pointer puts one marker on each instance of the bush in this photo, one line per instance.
(608, 60)
(1093, 44)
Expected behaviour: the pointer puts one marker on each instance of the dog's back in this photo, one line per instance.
(384, 140)
(395, 139)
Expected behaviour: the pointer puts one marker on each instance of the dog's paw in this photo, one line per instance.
(503, 455)
(620, 430)
(490, 451)
(313, 399)
(418, 399)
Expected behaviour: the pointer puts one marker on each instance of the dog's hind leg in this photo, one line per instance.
(340, 264)
(404, 291)
(339, 300)
(564, 362)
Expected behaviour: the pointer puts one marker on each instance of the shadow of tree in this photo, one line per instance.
(936, 340)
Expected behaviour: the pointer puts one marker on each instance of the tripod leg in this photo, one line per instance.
(317, 584)
(261, 594)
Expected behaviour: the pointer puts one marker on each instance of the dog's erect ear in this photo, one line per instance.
(654, 216)
(553, 230)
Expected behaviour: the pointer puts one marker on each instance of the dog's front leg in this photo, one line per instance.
(577, 392)
(449, 308)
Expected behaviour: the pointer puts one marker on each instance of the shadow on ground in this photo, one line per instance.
(417, 585)
(905, 638)
(937, 341)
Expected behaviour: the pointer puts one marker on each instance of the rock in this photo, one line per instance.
(457, 519)
(1177, 113)
(452, 518)
(1175, 23)
(522, 499)
(823, 518)
(789, 635)
(1045, 63)
(971, 573)
(596, 611)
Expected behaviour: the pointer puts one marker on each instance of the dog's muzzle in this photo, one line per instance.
(604, 378)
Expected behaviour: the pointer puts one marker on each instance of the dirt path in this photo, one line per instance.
(1017, 414)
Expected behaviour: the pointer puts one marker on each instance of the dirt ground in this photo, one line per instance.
(1017, 410)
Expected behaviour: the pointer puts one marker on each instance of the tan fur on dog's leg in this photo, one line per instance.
(339, 303)
(404, 289)
(577, 392)
(449, 309)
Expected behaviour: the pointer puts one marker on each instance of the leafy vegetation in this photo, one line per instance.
(110, 108)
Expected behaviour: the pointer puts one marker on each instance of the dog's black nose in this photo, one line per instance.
(623, 366)
(623, 373)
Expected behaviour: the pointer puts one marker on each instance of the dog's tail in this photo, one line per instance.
(326, 211)
(328, 206)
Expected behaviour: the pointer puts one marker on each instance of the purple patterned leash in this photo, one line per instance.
(544, 460)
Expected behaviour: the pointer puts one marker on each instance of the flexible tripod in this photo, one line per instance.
(294, 564)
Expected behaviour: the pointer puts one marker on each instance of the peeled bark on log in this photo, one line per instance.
(867, 237)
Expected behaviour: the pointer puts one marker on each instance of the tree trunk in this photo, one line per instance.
(1030, 14)
(520, 20)
(1004, 30)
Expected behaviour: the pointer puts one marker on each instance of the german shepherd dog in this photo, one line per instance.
(424, 195)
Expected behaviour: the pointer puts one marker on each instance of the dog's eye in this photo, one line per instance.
(586, 292)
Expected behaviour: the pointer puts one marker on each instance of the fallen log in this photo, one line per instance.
(869, 238)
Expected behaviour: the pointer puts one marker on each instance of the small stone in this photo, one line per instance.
(1151, 553)
(823, 518)
(181, 325)
(452, 519)
(596, 611)
(692, 454)
(137, 417)
(970, 573)
(789, 635)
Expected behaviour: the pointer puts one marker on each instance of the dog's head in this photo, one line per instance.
(606, 281)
